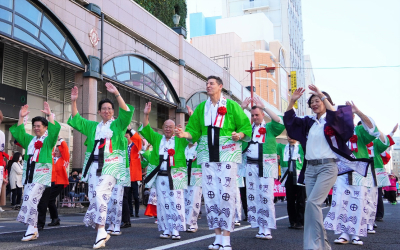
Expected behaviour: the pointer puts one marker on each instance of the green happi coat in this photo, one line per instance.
(235, 121)
(382, 177)
(179, 171)
(115, 168)
(363, 138)
(270, 161)
(280, 148)
(43, 167)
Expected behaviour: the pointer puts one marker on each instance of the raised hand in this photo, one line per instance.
(315, 90)
(190, 110)
(179, 132)
(297, 94)
(245, 103)
(395, 128)
(24, 111)
(46, 109)
(258, 102)
(354, 108)
(147, 108)
(74, 93)
(111, 88)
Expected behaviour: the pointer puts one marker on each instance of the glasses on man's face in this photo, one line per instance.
(106, 109)
(36, 126)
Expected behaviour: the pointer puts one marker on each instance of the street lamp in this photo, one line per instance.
(175, 19)
(267, 69)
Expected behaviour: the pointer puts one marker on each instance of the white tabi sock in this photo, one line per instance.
(30, 230)
(101, 233)
(110, 227)
(175, 232)
(370, 227)
(345, 236)
(260, 230)
(218, 239)
(117, 227)
(226, 240)
(355, 237)
(266, 230)
(167, 232)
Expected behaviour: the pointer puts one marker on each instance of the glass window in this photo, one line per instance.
(29, 11)
(6, 15)
(52, 31)
(7, 3)
(49, 44)
(149, 71)
(124, 76)
(6, 28)
(70, 53)
(108, 68)
(24, 36)
(136, 77)
(26, 25)
(136, 64)
(121, 64)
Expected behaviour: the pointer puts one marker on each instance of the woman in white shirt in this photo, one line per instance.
(16, 179)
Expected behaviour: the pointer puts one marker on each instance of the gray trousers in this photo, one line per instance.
(319, 180)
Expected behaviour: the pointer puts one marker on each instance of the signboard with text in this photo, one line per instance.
(293, 83)
(11, 100)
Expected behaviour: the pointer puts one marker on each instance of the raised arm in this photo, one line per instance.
(74, 97)
(315, 91)
(113, 90)
(48, 113)
(365, 119)
(295, 96)
(22, 113)
(245, 103)
(146, 112)
(269, 112)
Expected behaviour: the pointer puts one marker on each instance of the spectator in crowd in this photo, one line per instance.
(15, 166)
(75, 188)
(392, 190)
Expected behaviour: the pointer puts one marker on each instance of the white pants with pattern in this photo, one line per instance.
(219, 191)
(192, 205)
(114, 209)
(170, 206)
(260, 198)
(28, 213)
(100, 188)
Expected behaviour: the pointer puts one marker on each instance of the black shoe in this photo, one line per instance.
(291, 226)
(245, 218)
(40, 228)
(131, 215)
(298, 226)
(54, 222)
(379, 219)
(126, 225)
(136, 215)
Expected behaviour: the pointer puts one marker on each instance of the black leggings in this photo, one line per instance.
(391, 196)
(16, 194)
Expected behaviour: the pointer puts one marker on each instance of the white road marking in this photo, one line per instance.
(184, 242)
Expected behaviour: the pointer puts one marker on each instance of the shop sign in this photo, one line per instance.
(94, 37)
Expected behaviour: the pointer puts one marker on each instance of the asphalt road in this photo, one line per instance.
(144, 235)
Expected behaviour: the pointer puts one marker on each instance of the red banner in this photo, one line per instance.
(279, 190)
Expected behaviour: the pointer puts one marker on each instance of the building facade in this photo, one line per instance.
(286, 18)
(395, 160)
(49, 46)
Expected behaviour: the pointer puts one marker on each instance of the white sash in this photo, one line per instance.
(31, 147)
(209, 119)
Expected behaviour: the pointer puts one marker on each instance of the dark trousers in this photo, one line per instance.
(16, 196)
(125, 206)
(391, 196)
(296, 201)
(48, 200)
(243, 197)
(380, 210)
(134, 190)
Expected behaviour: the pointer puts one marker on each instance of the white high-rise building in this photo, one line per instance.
(309, 79)
(286, 17)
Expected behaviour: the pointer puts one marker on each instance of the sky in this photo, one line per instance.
(349, 33)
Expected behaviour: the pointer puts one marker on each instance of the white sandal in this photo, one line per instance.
(165, 236)
(176, 237)
(30, 237)
(341, 240)
(116, 233)
(214, 246)
(266, 237)
(102, 242)
(192, 230)
(357, 242)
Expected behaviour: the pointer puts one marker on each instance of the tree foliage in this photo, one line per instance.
(165, 9)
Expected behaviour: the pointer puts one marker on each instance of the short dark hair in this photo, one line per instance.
(129, 132)
(40, 119)
(105, 101)
(257, 107)
(328, 97)
(218, 79)
(359, 123)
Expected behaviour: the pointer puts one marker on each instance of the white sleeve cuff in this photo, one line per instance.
(140, 128)
(133, 131)
(372, 131)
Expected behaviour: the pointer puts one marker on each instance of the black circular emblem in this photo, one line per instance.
(188, 203)
(228, 166)
(171, 194)
(197, 205)
(250, 174)
(264, 200)
(353, 207)
(166, 206)
(178, 206)
(347, 192)
(225, 197)
(251, 197)
(207, 165)
(26, 197)
(211, 194)
(163, 183)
